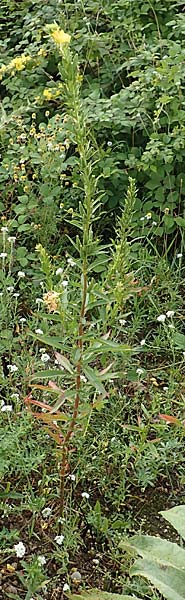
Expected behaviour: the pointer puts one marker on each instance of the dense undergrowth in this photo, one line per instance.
(92, 349)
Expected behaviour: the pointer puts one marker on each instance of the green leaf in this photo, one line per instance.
(179, 340)
(64, 362)
(46, 374)
(180, 221)
(99, 595)
(92, 376)
(169, 580)
(176, 516)
(151, 547)
(55, 342)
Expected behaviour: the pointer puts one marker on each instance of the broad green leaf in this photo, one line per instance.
(92, 376)
(179, 339)
(176, 516)
(169, 580)
(99, 595)
(151, 547)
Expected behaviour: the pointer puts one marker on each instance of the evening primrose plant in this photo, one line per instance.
(85, 354)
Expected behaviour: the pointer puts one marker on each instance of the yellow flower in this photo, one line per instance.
(47, 94)
(60, 37)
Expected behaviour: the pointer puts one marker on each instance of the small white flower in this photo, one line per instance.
(85, 495)
(170, 313)
(171, 326)
(41, 560)
(161, 318)
(12, 239)
(83, 378)
(59, 271)
(1, 294)
(64, 283)
(71, 262)
(39, 300)
(46, 512)
(139, 371)
(122, 321)
(45, 357)
(10, 288)
(109, 144)
(16, 295)
(39, 331)
(3, 255)
(113, 439)
(72, 477)
(165, 388)
(59, 539)
(154, 222)
(15, 396)
(4, 229)
(20, 550)
(142, 342)
(6, 408)
(22, 320)
(66, 587)
(142, 218)
(21, 274)
(183, 354)
(179, 255)
(12, 368)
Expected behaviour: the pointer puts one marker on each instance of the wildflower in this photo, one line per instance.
(72, 477)
(165, 388)
(51, 299)
(10, 288)
(14, 396)
(6, 408)
(85, 495)
(45, 357)
(71, 262)
(109, 144)
(66, 587)
(179, 255)
(21, 274)
(20, 549)
(142, 342)
(59, 271)
(142, 218)
(41, 560)
(59, 539)
(166, 210)
(139, 371)
(170, 313)
(149, 215)
(39, 331)
(12, 368)
(46, 512)
(171, 326)
(161, 318)
(47, 94)
(154, 222)
(16, 295)
(3, 255)
(60, 37)
(64, 283)
(4, 229)
(11, 239)
(122, 321)
(39, 300)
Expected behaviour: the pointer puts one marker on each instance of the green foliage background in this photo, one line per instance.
(131, 57)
